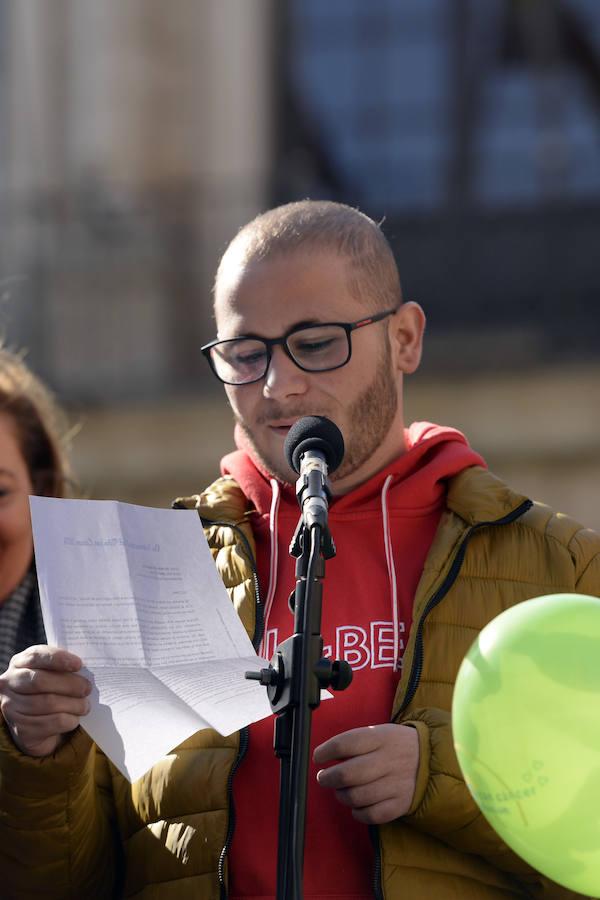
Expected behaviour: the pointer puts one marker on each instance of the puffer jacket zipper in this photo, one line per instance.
(244, 732)
(377, 888)
(457, 562)
(242, 749)
(417, 665)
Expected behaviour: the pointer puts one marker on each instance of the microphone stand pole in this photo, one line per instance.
(294, 679)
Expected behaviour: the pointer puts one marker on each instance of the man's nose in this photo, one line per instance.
(284, 378)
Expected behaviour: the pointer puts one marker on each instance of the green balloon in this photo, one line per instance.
(526, 725)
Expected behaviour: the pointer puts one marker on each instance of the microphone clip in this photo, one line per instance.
(302, 535)
(313, 489)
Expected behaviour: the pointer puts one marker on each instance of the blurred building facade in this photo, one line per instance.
(136, 137)
(474, 129)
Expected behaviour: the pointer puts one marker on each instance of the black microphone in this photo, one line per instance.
(314, 446)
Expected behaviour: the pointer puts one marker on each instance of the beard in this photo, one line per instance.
(369, 417)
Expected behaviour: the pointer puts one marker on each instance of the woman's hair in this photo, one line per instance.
(41, 426)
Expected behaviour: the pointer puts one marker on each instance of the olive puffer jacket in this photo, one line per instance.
(71, 827)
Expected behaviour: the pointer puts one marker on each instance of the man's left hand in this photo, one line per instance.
(377, 773)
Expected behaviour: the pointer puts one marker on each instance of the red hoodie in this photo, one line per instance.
(382, 530)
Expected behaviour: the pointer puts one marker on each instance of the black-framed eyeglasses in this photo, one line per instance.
(313, 348)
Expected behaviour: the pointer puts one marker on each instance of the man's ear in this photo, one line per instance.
(407, 327)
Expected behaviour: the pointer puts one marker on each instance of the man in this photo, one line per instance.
(310, 320)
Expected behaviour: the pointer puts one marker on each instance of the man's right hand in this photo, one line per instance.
(42, 698)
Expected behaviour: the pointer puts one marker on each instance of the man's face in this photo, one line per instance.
(269, 297)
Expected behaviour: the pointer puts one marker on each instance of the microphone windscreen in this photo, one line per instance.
(314, 433)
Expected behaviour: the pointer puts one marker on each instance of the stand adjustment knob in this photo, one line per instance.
(341, 675)
(266, 677)
(335, 674)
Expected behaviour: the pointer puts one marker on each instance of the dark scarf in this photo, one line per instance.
(21, 623)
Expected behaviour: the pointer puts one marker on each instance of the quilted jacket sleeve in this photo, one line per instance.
(589, 580)
(56, 834)
(443, 807)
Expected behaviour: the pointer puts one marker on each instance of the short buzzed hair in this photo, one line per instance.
(322, 225)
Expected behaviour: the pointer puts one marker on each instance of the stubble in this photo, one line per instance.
(370, 416)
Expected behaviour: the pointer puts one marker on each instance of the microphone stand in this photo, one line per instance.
(296, 674)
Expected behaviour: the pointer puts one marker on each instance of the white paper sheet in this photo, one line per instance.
(135, 593)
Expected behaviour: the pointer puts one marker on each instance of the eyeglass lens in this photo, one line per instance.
(315, 349)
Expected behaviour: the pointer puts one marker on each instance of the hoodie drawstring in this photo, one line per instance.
(274, 558)
(389, 555)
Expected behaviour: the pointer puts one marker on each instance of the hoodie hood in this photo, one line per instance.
(433, 454)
